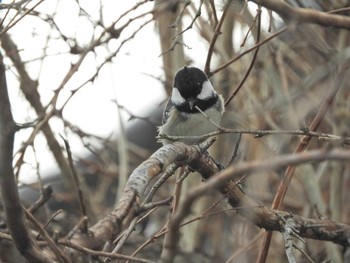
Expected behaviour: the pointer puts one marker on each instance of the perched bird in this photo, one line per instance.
(181, 117)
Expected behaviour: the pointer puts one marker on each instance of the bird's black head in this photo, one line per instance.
(189, 81)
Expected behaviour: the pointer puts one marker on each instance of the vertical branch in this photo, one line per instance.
(84, 226)
(123, 155)
(303, 143)
(29, 88)
(215, 37)
(258, 17)
(169, 24)
(14, 215)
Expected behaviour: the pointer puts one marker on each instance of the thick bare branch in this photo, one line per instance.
(29, 89)
(15, 219)
(302, 145)
(257, 214)
(109, 227)
(305, 14)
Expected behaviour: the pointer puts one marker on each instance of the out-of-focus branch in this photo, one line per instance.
(215, 37)
(307, 15)
(169, 24)
(237, 57)
(302, 145)
(77, 183)
(109, 227)
(60, 255)
(15, 219)
(30, 91)
(102, 253)
(261, 133)
(44, 197)
(255, 54)
(259, 215)
(13, 23)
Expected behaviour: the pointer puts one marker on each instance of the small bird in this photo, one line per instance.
(181, 117)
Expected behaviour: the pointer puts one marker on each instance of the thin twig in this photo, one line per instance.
(261, 216)
(101, 253)
(235, 151)
(14, 212)
(302, 145)
(169, 172)
(45, 195)
(7, 28)
(234, 93)
(217, 32)
(212, 4)
(49, 221)
(262, 133)
(198, 14)
(77, 227)
(184, 175)
(125, 236)
(305, 15)
(177, 189)
(208, 118)
(247, 51)
(152, 205)
(84, 227)
(61, 256)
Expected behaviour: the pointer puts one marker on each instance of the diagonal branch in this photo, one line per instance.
(29, 88)
(302, 145)
(14, 215)
(259, 215)
(307, 15)
(109, 227)
(217, 32)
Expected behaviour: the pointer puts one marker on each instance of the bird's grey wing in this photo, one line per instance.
(166, 111)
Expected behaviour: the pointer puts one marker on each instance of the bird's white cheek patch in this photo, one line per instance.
(176, 97)
(207, 91)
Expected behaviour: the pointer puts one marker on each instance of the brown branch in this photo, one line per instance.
(270, 220)
(77, 188)
(217, 32)
(44, 197)
(55, 249)
(198, 14)
(101, 253)
(234, 93)
(109, 227)
(30, 91)
(14, 215)
(163, 230)
(262, 133)
(307, 15)
(212, 5)
(247, 51)
(20, 18)
(303, 143)
(29, 86)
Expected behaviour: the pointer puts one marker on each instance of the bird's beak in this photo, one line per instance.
(191, 103)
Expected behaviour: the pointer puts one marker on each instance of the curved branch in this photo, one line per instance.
(109, 227)
(302, 145)
(259, 215)
(307, 15)
(252, 62)
(29, 88)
